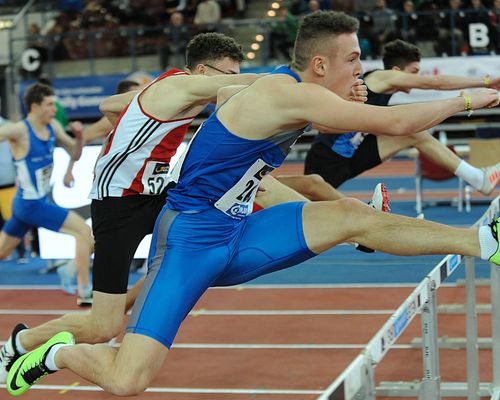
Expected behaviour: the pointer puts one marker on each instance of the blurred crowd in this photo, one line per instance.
(441, 27)
(113, 28)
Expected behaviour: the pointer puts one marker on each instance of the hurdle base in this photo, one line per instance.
(454, 343)
(412, 389)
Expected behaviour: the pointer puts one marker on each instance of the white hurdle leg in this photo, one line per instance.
(471, 331)
(495, 329)
(430, 389)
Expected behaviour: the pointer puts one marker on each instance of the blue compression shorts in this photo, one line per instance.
(28, 213)
(191, 252)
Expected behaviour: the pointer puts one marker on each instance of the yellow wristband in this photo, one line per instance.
(486, 80)
(468, 104)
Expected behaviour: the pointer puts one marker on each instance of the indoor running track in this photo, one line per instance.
(262, 342)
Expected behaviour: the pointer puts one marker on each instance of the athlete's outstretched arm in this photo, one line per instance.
(112, 106)
(97, 130)
(193, 89)
(72, 145)
(316, 104)
(393, 80)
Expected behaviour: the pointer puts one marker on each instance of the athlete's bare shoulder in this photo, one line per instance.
(13, 131)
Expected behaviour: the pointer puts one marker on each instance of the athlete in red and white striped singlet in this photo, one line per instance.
(135, 158)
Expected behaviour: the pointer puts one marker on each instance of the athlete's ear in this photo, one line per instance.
(200, 69)
(396, 68)
(318, 65)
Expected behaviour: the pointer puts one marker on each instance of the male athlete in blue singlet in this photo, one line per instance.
(32, 143)
(206, 236)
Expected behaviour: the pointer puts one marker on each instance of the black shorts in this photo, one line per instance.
(119, 224)
(336, 169)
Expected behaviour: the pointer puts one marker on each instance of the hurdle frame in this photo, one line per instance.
(357, 381)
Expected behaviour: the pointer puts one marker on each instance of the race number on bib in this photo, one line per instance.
(154, 178)
(238, 201)
(43, 179)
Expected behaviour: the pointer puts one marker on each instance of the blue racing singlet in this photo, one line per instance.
(222, 170)
(34, 170)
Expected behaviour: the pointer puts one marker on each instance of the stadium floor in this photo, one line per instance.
(289, 334)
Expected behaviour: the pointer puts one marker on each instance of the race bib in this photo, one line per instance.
(238, 201)
(155, 179)
(42, 176)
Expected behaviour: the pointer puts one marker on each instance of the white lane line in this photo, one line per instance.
(280, 346)
(256, 286)
(202, 311)
(270, 346)
(182, 390)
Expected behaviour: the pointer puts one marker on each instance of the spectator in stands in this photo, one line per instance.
(174, 43)
(477, 14)
(313, 7)
(383, 25)
(59, 43)
(346, 6)
(408, 23)
(364, 6)
(427, 23)
(208, 15)
(495, 25)
(240, 7)
(37, 41)
(451, 31)
(71, 5)
(283, 32)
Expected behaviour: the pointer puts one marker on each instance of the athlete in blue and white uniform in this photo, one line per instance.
(206, 236)
(32, 142)
(212, 205)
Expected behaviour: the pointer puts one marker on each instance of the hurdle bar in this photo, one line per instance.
(357, 381)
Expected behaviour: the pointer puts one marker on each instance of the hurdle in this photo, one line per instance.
(357, 381)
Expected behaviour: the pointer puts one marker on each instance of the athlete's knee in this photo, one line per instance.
(130, 383)
(312, 183)
(4, 253)
(102, 333)
(84, 236)
(315, 179)
(351, 209)
(349, 206)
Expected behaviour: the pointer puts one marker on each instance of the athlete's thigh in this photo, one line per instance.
(389, 146)
(279, 190)
(119, 226)
(185, 259)
(13, 229)
(74, 224)
(10, 237)
(107, 311)
(272, 239)
(47, 215)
